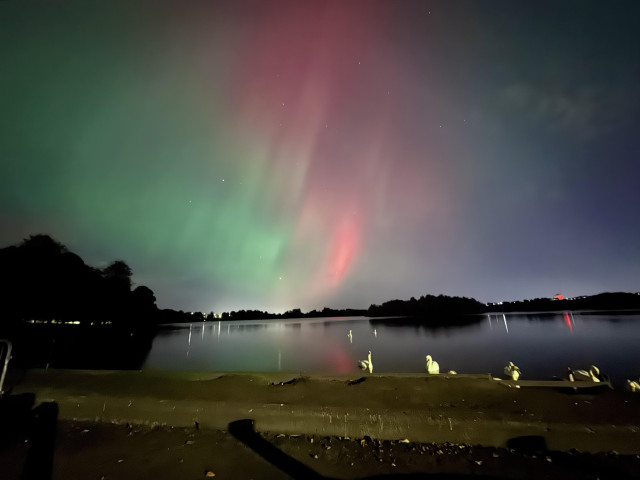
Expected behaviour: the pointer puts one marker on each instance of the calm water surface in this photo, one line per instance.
(542, 345)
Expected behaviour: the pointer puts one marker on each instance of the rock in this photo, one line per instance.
(404, 440)
(478, 462)
(209, 474)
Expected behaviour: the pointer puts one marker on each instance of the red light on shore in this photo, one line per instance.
(558, 296)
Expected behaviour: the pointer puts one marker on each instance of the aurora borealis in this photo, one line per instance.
(274, 155)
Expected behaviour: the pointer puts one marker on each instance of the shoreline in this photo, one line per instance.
(462, 409)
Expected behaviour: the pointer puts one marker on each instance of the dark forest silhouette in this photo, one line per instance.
(451, 309)
(601, 301)
(41, 280)
(60, 312)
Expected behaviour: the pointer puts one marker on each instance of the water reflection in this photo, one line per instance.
(482, 344)
(567, 321)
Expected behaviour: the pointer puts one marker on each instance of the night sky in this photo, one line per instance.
(274, 155)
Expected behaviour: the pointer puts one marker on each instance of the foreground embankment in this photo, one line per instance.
(458, 409)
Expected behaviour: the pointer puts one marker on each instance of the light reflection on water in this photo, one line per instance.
(542, 345)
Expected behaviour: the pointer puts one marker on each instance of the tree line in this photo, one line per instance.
(41, 280)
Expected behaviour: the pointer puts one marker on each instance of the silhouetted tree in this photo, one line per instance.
(41, 279)
(43, 245)
(118, 273)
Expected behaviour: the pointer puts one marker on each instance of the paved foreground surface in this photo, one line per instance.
(81, 424)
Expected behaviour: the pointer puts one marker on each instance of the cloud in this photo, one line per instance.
(583, 112)
(580, 112)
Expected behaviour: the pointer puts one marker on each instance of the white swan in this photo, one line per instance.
(592, 375)
(633, 386)
(432, 366)
(350, 335)
(366, 364)
(512, 371)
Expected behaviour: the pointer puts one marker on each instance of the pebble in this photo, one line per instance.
(478, 462)
(210, 474)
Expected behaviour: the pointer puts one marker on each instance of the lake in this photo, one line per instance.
(543, 345)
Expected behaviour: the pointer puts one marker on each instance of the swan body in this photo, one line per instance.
(633, 386)
(350, 335)
(512, 371)
(432, 366)
(366, 364)
(591, 375)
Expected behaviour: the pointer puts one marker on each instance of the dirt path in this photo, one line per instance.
(119, 425)
(473, 410)
(84, 451)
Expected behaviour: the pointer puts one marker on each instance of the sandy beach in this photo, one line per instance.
(412, 423)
